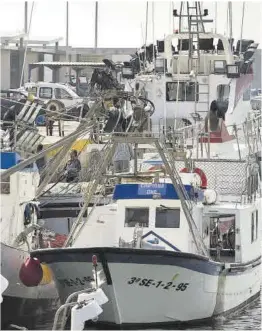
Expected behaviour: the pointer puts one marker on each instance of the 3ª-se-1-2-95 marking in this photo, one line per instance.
(157, 284)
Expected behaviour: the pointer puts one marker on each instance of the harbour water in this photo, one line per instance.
(248, 318)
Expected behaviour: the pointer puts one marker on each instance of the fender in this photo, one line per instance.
(28, 214)
(200, 173)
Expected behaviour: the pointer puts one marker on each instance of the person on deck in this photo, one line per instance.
(73, 167)
(41, 163)
(122, 157)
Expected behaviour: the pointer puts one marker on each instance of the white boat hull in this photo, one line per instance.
(237, 288)
(143, 287)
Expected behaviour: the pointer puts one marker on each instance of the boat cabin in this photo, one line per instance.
(150, 216)
(182, 94)
(154, 208)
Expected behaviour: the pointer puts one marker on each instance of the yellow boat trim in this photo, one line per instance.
(79, 145)
(47, 275)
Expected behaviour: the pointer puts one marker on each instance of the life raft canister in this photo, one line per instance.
(201, 174)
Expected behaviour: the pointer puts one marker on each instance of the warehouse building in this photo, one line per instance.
(13, 57)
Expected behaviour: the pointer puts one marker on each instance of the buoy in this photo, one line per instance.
(200, 173)
(94, 260)
(31, 272)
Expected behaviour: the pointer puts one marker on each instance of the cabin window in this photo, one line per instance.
(246, 95)
(167, 218)
(222, 232)
(61, 94)
(252, 227)
(136, 216)
(32, 90)
(61, 225)
(182, 91)
(45, 92)
(256, 224)
(5, 186)
(252, 184)
(223, 92)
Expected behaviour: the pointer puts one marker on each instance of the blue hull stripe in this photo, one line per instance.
(126, 255)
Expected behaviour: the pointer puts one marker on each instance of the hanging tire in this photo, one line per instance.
(53, 108)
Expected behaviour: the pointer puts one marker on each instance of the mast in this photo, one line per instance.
(242, 25)
(96, 24)
(230, 21)
(153, 32)
(25, 19)
(146, 33)
(67, 28)
(215, 16)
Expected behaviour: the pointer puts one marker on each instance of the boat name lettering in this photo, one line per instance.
(68, 282)
(157, 283)
(152, 186)
(151, 192)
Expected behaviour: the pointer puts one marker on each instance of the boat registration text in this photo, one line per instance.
(157, 284)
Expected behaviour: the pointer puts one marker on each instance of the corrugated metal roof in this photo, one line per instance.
(70, 64)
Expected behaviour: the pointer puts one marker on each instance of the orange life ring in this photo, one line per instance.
(200, 173)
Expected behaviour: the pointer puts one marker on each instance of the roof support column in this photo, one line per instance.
(56, 58)
(41, 69)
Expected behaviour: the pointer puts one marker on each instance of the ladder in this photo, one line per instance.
(196, 26)
(202, 93)
(23, 133)
(169, 163)
(194, 22)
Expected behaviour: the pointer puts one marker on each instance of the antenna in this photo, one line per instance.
(26, 15)
(67, 29)
(96, 24)
(230, 21)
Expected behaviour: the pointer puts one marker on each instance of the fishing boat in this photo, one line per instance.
(20, 234)
(191, 69)
(165, 240)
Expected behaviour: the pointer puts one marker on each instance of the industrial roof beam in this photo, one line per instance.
(15, 38)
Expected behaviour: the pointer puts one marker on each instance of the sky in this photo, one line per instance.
(121, 23)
